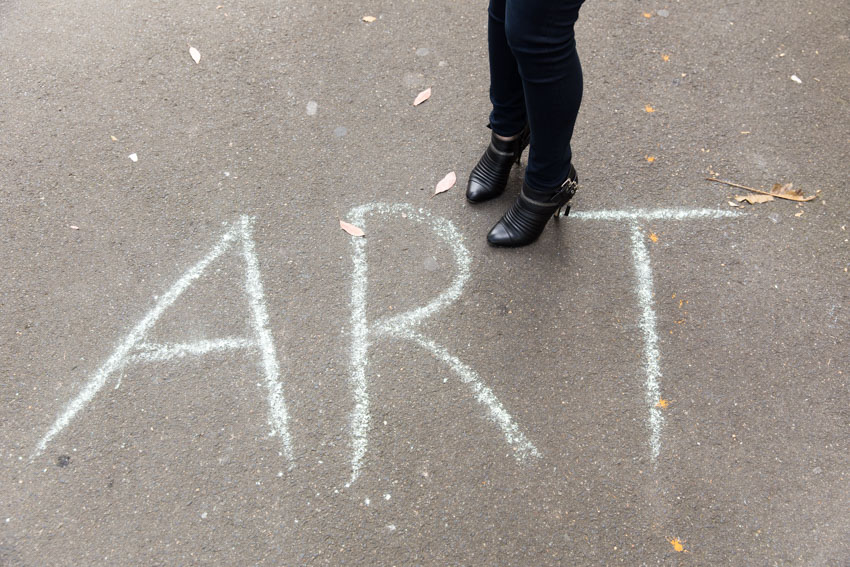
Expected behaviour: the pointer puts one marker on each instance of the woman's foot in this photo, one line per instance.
(525, 220)
(490, 176)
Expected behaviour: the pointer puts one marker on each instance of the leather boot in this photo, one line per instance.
(490, 176)
(525, 220)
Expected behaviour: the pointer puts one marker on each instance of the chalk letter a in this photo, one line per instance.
(134, 348)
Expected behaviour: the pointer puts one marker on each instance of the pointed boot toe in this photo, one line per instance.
(499, 235)
(478, 192)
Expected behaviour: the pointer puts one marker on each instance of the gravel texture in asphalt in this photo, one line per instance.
(200, 367)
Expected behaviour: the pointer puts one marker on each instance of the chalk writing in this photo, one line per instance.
(403, 326)
(135, 349)
(644, 294)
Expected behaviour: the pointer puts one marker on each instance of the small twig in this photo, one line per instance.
(777, 195)
(736, 185)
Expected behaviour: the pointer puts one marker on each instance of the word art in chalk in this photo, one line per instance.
(135, 348)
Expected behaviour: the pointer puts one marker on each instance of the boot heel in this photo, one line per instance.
(524, 140)
(562, 211)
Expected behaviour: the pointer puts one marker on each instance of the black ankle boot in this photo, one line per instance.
(490, 176)
(525, 220)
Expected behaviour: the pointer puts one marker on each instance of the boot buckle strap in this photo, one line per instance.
(564, 194)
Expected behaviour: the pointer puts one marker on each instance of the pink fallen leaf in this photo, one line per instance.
(422, 97)
(446, 183)
(351, 229)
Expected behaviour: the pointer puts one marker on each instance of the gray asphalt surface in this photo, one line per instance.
(172, 462)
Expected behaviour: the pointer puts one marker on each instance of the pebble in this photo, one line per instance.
(431, 264)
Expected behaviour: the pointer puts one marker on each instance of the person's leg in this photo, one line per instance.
(542, 39)
(508, 115)
(541, 36)
(508, 121)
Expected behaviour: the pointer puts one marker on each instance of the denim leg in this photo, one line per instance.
(541, 37)
(508, 116)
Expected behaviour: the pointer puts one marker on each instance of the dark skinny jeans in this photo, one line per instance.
(535, 78)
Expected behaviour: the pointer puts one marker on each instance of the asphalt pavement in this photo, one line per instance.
(199, 367)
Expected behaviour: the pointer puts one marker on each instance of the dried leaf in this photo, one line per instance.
(351, 229)
(369, 19)
(648, 108)
(422, 97)
(780, 191)
(196, 55)
(799, 214)
(786, 190)
(734, 204)
(114, 139)
(754, 199)
(446, 183)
